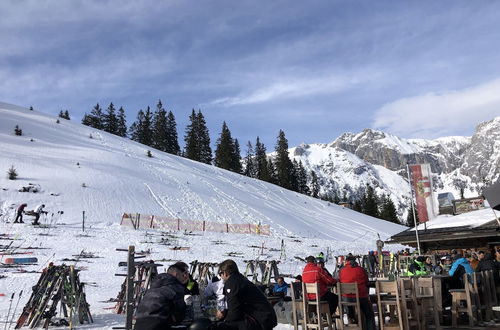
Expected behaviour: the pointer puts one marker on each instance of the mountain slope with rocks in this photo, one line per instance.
(379, 159)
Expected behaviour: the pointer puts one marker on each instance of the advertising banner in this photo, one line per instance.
(421, 180)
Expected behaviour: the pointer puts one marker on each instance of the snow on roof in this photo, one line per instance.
(471, 219)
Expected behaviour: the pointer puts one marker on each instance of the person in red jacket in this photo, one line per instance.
(20, 211)
(353, 273)
(314, 274)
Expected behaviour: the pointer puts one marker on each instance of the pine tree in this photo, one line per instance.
(358, 205)
(197, 139)
(12, 173)
(66, 115)
(388, 210)
(271, 170)
(160, 129)
(136, 126)
(191, 149)
(61, 114)
(315, 188)
(250, 169)
(294, 174)
(121, 128)
(141, 129)
(86, 120)
(410, 221)
(262, 170)
(173, 143)
(284, 166)
(110, 121)
(224, 151)
(96, 117)
(370, 206)
(236, 159)
(31, 108)
(302, 179)
(205, 149)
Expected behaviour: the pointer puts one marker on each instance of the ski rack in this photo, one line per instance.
(57, 284)
(137, 282)
(267, 269)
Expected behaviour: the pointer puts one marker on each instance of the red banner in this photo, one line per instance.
(422, 187)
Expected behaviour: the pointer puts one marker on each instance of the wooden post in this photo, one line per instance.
(130, 288)
(83, 221)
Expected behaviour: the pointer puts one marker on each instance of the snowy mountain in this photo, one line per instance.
(377, 158)
(77, 168)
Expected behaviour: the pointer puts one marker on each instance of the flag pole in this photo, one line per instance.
(413, 208)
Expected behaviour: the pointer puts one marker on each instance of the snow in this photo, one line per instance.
(470, 219)
(81, 169)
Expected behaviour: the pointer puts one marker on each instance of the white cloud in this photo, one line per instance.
(289, 88)
(439, 114)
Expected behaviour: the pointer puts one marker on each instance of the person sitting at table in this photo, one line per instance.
(487, 263)
(247, 307)
(353, 273)
(473, 260)
(216, 288)
(163, 304)
(417, 267)
(459, 267)
(321, 263)
(280, 288)
(314, 274)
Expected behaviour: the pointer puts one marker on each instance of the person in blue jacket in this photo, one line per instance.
(459, 267)
(281, 287)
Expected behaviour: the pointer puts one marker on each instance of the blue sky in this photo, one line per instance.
(315, 69)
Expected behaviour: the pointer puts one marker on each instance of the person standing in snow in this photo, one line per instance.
(38, 211)
(247, 306)
(20, 211)
(163, 304)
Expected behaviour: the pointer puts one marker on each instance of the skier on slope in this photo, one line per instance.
(38, 211)
(20, 211)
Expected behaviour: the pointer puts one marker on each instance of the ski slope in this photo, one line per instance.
(82, 169)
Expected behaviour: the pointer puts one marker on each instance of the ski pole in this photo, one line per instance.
(15, 308)
(8, 313)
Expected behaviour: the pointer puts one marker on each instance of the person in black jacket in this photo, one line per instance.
(247, 307)
(487, 263)
(163, 304)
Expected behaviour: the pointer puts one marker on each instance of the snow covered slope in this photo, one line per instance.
(83, 169)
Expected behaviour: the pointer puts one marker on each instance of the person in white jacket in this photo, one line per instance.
(216, 288)
(38, 211)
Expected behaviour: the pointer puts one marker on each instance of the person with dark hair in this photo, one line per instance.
(487, 263)
(247, 306)
(459, 267)
(353, 273)
(314, 274)
(280, 288)
(163, 304)
(20, 211)
(298, 278)
(321, 263)
(417, 267)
